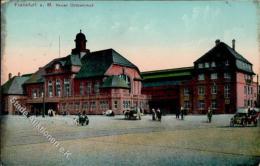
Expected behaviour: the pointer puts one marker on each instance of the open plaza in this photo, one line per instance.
(116, 141)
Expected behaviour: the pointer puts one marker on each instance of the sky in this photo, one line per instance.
(152, 35)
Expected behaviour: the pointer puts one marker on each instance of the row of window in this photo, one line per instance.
(86, 105)
(249, 103)
(201, 104)
(214, 89)
(210, 64)
(67, 88)
(248, 90)
(88, 88)
(213, 76)
(103, 104)
(243, 65)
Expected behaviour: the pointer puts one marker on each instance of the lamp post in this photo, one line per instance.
(43, 98)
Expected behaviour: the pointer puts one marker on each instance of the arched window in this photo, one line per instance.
(67, 87)
(127, 79)
(50, 88)
(58, 88)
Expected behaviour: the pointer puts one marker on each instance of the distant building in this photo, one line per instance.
(221, 79)
(94, 82)
(83, 81)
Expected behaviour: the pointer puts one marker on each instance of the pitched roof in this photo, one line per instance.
(167, 73)
(114, 82)
(14, 85)
(73, 60)
(97, 63)
(224, 49)
(36, 77)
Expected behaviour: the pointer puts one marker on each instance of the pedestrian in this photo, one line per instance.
(209, 114)
(177, 114)
(182, 113)
(153, 114)
(159, 114)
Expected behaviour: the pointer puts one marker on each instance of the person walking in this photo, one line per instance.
(209, 114)
(159, 114)
(153, 114)
(177, 114)
(182, 113)
(138, 113)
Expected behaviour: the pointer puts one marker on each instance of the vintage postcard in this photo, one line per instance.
(130, 83)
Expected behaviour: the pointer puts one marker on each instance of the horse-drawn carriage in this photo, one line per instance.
(132, 114)
(83, 120)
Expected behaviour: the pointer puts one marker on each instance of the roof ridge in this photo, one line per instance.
(166, 70)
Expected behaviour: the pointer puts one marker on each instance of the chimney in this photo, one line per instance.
(233, 44)
(217, 41)
(9, 76)
(19, 74)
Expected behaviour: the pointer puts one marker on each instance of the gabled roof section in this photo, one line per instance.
(115, 82)
(223, 49)
(97, 63)
(167, 73)
(14, 85)
(36, 77)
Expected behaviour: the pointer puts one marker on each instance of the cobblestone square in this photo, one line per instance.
(115, 141)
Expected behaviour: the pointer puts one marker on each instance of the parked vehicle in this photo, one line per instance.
(244, 117)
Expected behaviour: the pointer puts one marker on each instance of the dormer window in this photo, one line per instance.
(57, 66)
(226, 63)
(206, 65)
(200, 66)
(213, 64)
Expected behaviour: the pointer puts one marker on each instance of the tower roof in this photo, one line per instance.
(80, 36)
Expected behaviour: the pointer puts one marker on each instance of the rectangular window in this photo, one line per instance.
(206, 65)
(200, 66)
(81, 89)
(251, 90)
(213, 64)
(213, 76)
(245, 89)
(186, 92)
(85, 105)
(186, 104)
(201, 77)
(89, 88)
(201, 90)
(115, 104)
(227, 76)
(227, 91)
(201, 104)
(96, 87)
(214, 89)
(245, 103)
(34, 93)
(92, 105)
(103, 105)
(76, 105)
(214, 104)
